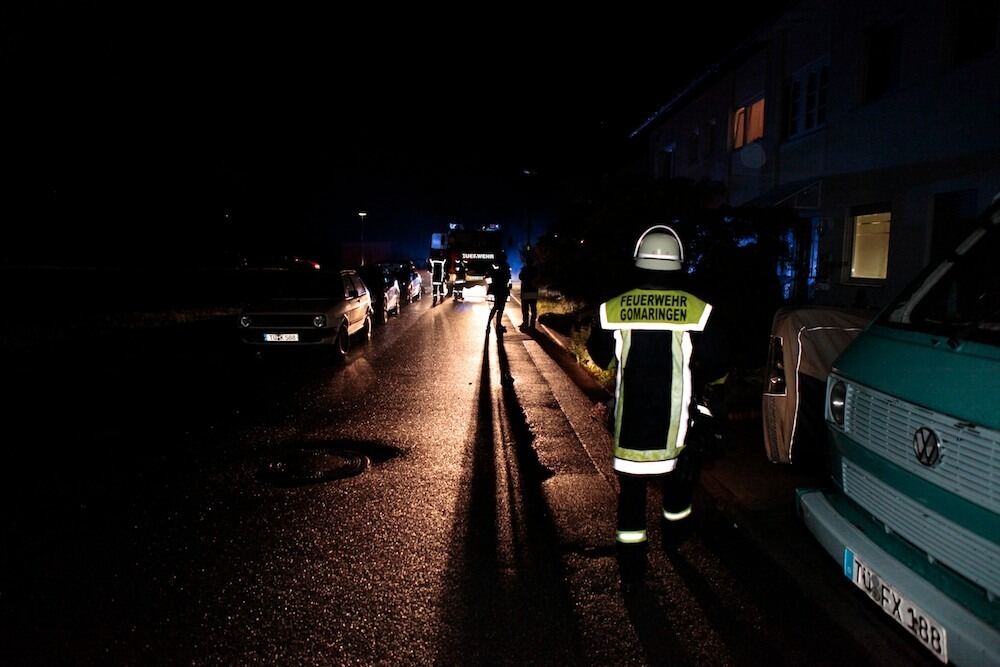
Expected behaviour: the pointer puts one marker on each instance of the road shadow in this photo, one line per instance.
(772, 626)
(506, 601)
(655, 629)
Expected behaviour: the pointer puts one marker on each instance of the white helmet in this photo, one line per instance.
(659, 249)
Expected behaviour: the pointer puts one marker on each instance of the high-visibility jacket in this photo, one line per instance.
(652, 331)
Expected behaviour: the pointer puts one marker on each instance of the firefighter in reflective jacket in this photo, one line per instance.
(458, 290)
(437, 279)
(669, 348)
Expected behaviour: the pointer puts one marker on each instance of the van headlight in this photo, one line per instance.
(319, 321)
(245, 321)
(838, 401)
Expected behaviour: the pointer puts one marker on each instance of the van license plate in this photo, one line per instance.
(281, 338)
(928, 632)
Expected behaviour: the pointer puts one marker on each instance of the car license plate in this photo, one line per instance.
(929, 632)
(281, 337)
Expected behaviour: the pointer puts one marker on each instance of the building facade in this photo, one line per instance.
(878, 123)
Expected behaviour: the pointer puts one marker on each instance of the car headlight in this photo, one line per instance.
(245, 321)
(838, 401)
(319, 321)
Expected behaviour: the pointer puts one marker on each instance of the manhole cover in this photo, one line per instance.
(313, 462)
(298, 467)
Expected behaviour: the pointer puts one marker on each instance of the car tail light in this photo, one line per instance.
(776, 382)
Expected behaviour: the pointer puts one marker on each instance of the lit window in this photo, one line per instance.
(748, 123)
(739, 127)
(870, 256)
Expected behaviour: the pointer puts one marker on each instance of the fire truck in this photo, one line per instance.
(479, 248)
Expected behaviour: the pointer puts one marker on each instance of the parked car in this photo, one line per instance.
(410, 282)
(309, 308)
(384, 290)
(804, 342)
(912, 514)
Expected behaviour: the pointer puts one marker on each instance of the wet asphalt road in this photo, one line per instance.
(170, 500)
(172, 507)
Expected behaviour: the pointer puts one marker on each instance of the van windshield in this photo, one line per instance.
(958, 297)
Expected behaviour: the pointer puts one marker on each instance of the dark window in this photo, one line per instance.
(812, 92)
(881, 62)
(807, 99)
(821, 96)
(693, 148)
(973, 28)
(794, 107)
(954, 214)
(665, 162)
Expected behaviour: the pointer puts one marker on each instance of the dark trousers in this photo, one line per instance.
(499, 303)
(677, 490)
(529, 307)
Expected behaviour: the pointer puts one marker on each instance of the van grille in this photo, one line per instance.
(970, 457)
(965, 552)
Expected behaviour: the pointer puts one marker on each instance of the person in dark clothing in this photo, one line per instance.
(458, 291)
(499, 280)
(529, 294)
(669, 348)
(438, 279)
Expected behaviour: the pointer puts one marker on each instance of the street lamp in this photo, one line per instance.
(529, 179)
(362, 214)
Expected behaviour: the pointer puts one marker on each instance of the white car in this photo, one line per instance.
(384, 291)
(413, 286)
(805, 341)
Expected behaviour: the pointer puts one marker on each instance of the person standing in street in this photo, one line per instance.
(437, 279)
(458, 291)
(669, 348)
(529, 294)
(499, 279)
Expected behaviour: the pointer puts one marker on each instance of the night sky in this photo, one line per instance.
(132, 132)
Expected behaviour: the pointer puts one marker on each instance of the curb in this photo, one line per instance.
(737, 487)
(579, 497)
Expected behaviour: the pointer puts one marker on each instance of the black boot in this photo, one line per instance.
(631, 565)
(675, 533)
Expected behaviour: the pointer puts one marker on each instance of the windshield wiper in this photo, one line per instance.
(987, 315)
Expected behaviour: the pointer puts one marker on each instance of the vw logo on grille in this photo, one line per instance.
(926, 446)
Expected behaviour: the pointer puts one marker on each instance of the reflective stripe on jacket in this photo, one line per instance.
(652, 331)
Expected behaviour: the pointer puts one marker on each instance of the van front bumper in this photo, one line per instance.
(971, 641)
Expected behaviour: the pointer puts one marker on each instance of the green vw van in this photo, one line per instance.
(913, 415)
